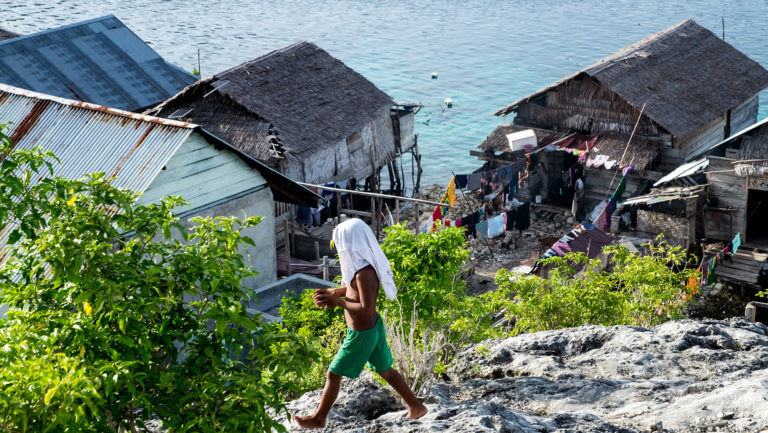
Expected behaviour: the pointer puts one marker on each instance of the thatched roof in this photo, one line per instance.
(7, 34)
(296, 99)
(685, 75)
(641, 152)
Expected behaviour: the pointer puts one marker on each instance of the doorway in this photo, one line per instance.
(757, 215)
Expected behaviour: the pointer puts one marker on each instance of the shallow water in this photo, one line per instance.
(486, 53)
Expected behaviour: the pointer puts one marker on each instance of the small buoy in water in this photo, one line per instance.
(434, 75)
(448, 102)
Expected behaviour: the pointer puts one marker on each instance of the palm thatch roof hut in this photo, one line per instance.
(301, 111)
(684, 88)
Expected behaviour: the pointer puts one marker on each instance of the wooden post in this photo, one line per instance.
(397, 211)
(391, 176)
(416, 215)
(287, 245)
(325, 268)
(373, 214)
(338, 208)
(317, 250)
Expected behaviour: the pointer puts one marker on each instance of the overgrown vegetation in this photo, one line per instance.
(432, 318)
(105, 331)
(635, 290)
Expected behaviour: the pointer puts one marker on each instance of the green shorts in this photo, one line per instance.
(360, 347)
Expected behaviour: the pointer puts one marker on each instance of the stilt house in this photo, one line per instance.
(157, 157)
(100, 61)
(738, 187)
(680, 90)
(302, 112)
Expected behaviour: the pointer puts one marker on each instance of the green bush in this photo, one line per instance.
(105, 331)
(432, 317)
(325, 328)
(634, 290)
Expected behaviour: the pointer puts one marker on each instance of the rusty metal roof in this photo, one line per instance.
(89, 138)
(99, 60)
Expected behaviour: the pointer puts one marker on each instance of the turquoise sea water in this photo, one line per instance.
(486, 53)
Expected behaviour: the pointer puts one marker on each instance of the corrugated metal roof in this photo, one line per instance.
(99, 61)
(684, 170)
(90, 138)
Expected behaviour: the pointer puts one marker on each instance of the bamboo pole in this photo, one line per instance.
(325, 268)
(375, 194)
(317, 250)
(286, 226)
(397, 211)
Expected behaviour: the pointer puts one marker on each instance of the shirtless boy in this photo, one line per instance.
(364, 268)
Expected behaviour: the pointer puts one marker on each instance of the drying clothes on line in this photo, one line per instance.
(490, 181)
(496, 225)
(437, 215)
(474, 181)
(628, 169)
(523, 220)
(505, 172)
(610, 164)
(482, 229)
(511, 218)
(561, 247)
(736, 243)
(450, 192)
(600, 160)
(461, 181)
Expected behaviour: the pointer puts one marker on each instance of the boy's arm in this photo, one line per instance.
(367, 284)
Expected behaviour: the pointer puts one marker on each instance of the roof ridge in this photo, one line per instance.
(55, 29)
(266, 56)
(95, 107)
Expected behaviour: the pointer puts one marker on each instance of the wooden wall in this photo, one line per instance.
(597, 185)
(744, 115)
(347, 159)
(725, 190)
(586, 105)
(203, 175)
(703, 138)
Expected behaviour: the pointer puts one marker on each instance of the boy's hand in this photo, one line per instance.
(325, 298)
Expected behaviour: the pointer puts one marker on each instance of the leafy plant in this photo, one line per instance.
(107, 330)
(635, 290)
(325, 328)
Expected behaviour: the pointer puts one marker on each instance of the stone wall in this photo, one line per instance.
(677, 230)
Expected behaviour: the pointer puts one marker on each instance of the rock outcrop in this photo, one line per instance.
(682, 376)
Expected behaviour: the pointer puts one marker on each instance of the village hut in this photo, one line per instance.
(157, 157)
(100, 61)
(674, 93)
(7, 34)
(738, 187)
(302, 112)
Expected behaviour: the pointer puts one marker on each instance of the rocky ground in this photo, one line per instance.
(682, 376)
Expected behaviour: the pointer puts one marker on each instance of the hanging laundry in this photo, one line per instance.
(461, 181)
(511, 218)
(496, 226)
(562, 248)
(523, 220)
(577, 206)
(600, 160)
(437, 215)
(490, 182)
(482, 229)
(736, 243)
(711, 272)
(450, 193)
(628, 169)
(474, 181)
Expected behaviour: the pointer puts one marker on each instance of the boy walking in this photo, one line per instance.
(364, 268)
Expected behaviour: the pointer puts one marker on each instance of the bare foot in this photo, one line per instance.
(309, 421)
(417, 412)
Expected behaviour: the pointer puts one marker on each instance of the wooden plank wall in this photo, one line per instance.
(705, 137)
(597, 184)
(725, 190)
(202, 175)
(744, 115)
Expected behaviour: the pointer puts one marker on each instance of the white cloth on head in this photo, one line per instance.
(358, 248)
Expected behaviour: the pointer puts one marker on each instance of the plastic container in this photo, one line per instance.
(522, 140)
